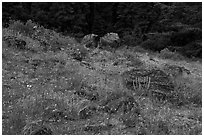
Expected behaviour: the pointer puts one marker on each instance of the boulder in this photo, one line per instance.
(90, 41)
(156, 82)
(109, 41)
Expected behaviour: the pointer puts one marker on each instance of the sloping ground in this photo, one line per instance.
(53, 93)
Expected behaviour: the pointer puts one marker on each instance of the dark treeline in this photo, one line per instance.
(132, 21)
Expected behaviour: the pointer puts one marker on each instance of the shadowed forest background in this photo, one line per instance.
(175, 25)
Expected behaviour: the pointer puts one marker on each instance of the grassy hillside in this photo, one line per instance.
(53, 85)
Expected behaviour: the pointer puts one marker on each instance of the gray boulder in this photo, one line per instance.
(150, 82)
(110, 41)
(90, 41)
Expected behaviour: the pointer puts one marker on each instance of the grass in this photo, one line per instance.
(45, 93)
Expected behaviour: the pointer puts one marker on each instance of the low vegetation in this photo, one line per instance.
(53, 85)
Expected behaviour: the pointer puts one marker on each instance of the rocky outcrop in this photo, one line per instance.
(90, 41)
(109, 41)
(154, 81)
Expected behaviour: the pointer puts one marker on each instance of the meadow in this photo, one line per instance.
(52, 85)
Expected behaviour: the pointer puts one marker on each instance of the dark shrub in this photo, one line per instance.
(156, 44)
(167, 54)
(185, 36)
(131, 40)
(193, 49)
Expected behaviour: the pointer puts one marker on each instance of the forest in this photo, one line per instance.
(102, 68)
(178, 25)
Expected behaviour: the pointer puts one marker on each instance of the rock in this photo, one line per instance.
(90, 41)
(109, 41)
(160, 81)
(136, 79)
(154, 81)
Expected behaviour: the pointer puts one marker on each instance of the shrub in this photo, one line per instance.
(133, 58)
(139, 49)
(156, 41)
(54, 41)
(185, 36)
(155, 44)
(193, 49)
(130, 40)
(166, 54)
(23, 28)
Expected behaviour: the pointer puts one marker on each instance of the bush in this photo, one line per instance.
(23, 28)
(130, 40)
(185, 36)
(166, 54)
(186, 41)
(193, 49)
(156, 44)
